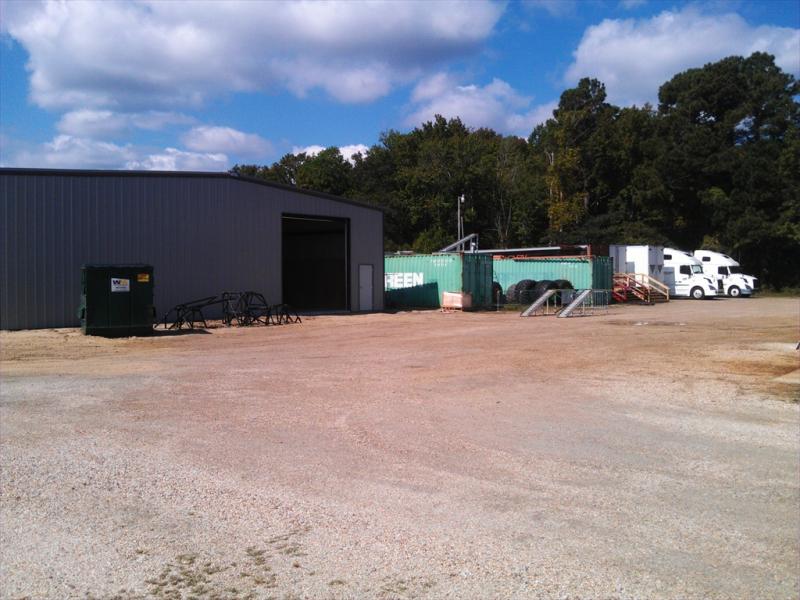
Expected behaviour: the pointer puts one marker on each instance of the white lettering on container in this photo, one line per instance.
(394, 281)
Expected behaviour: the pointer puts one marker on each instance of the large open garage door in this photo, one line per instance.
(316, 262)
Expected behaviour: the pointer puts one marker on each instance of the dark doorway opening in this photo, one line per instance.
(316, 260)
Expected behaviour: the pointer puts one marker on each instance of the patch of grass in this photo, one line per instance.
(192, 575)
(394, 587)
(513, 307)
(185, 577)
(787, 292)
(292, 549)
(257, 555)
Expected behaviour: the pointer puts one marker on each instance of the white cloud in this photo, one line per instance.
(172, 159)
(633, 57)
(104, 123)
(312, 150)
(496, 105)
(525, 123)
(357, 84)
(206, 138)
(347, 152)
(70, 152)
(432, 87)
(153, 54)
(556, 8)
(350, 150)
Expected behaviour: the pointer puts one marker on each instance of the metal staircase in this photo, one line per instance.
(638, 287)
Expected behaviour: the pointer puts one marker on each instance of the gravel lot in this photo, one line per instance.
(650, 453)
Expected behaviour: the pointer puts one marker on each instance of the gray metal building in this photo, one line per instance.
(204, 233)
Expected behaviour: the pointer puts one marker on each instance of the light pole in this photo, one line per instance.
(460, 221)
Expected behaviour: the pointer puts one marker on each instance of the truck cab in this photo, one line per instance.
(727, 273)
(684, 275)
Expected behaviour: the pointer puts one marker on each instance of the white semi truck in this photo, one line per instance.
(683, 273)
(727, 273)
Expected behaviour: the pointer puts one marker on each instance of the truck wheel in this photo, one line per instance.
(697, 293)
(734, 292)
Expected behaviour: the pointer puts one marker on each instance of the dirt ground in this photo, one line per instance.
(653, 452)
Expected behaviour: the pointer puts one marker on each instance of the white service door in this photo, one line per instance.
(365, 287)
(669, 278)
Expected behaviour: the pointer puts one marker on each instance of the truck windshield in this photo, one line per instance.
(735, 269)
(697, 270)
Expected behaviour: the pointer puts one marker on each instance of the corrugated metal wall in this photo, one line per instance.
(582, 272)
(202, 233)
(477, 278)
(602, 272)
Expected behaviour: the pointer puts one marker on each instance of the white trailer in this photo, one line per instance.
(647, 260)
(727, 273)
(683, 273)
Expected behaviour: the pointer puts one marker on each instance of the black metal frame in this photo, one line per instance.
(243, 308)
(189, 313)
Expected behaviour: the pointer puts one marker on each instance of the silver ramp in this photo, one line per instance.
(537, 304)
(579, 299)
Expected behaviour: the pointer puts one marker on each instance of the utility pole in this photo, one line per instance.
(460, 219)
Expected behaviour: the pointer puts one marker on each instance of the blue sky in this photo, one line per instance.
(199, 85)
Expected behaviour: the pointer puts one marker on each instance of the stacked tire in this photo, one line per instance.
(497, 294)
(525, 291)
(511, 294)
(542, 287)
(528, 291)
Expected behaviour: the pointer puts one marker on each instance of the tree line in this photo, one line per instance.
(715, 165)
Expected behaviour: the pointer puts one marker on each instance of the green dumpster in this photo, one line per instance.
(117, 300)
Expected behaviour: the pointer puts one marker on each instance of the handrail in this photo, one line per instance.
(644, 279)
(634, 280)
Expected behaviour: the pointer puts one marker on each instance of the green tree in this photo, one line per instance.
(575, 148)
(283, 171)
(729, 130)
(717, 164)
(326, 172)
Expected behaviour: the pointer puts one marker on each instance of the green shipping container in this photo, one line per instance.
(583, 272)
(117, 300)
(418, 280)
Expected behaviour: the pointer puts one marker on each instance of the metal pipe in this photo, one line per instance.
(460, 244)
(539, 249)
